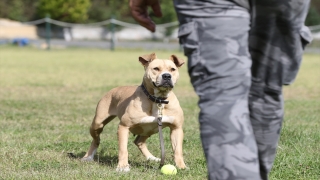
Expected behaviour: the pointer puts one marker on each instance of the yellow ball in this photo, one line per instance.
(168, 169)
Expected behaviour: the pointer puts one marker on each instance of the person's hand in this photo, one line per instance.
(139, 11)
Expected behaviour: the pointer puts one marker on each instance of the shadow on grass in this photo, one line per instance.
(112, 161)
(102, 160)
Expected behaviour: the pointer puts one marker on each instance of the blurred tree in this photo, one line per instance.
(313, 17)
(19, 10)
(98, 11)
(74, 11)
(16, 10)
(105, 9)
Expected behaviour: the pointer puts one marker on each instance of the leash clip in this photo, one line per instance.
(160, 108)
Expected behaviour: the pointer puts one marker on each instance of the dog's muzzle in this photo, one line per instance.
(166, 81)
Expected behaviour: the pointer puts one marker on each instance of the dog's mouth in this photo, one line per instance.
(167, 84)
(164, 84)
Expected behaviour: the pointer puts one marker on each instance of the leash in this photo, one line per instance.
(159, 102)
(160, 108)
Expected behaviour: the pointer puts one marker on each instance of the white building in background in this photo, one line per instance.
(100, 33)
(13, 29)
(316, 36)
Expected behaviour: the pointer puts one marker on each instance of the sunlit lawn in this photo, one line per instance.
(48, 99)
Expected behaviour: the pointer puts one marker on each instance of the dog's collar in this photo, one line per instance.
(153, 98)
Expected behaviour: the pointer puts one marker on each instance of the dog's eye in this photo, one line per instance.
(156, 69)
(173, 69)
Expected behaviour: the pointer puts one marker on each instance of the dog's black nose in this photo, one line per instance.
(166, 76)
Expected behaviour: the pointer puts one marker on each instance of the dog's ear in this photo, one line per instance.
(177, 61)
(146, 59)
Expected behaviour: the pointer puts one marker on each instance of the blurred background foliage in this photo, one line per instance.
(77, 11)
(85, 11)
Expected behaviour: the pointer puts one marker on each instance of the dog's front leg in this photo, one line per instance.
(123, 135)
(176, 135)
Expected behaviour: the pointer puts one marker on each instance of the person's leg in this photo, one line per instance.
(219, 67)
(276, 50)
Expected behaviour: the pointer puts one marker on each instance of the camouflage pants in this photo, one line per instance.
(240, 54)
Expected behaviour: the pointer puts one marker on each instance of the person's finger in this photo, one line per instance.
(143, 19)
(156, 8)
(150, 25)
(140, 14)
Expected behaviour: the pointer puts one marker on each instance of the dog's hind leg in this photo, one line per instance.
(95, 131)
(101, 118)
(140, 142)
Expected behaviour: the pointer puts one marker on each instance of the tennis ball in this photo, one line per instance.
(168, 169)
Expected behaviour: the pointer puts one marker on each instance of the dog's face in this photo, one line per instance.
(160, 74)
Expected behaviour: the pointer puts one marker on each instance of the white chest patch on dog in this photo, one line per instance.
(152, 119)
(149, 125)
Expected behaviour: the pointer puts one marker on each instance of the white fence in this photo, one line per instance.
(96, 31)
(104, 30)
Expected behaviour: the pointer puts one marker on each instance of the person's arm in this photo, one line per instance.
(139, 11)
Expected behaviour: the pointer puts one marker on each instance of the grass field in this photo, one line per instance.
(48, 99)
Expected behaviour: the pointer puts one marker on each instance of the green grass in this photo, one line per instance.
(48, 99)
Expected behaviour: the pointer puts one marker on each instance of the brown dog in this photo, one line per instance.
(138, 114)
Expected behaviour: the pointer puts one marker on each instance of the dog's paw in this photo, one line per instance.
(152, 158)
(87, 159)
(181, 166)
(184, 168)
(123, 168)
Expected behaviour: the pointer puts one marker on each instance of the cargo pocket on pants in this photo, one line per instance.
(292, 71)
(189, 40)
(306, 36)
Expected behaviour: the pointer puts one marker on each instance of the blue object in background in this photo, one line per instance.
(21, 41)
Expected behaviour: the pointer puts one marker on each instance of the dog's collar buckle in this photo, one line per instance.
(158, 100)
